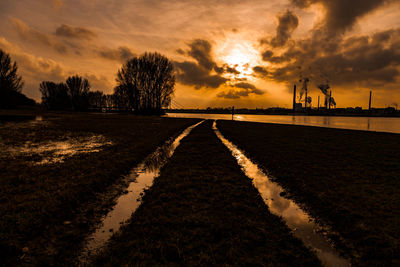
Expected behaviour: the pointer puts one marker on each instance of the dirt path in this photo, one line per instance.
(202, 210)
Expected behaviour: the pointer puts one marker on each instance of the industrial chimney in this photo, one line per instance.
(370, 100)
(330, 99)
(294, 98)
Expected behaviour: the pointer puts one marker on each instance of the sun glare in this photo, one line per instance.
(240, 55)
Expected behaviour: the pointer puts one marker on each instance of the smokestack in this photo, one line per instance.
(294, 98)
(330, 97)
(305, 101)
(318, 102)
(370, 100)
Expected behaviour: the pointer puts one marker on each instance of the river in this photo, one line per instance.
(375, 124)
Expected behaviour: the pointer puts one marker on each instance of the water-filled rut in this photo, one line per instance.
(142, 177)
(202, 210)
(302, 225)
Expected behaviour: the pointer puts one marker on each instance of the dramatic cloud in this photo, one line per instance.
(353, 45)
(288, 22)
(362, 60)
(342, 14)
(200, 50)
(205, 72)
(200, 74)
(260, 71)
(244, 90)
(121, 54)
(34, 70)
(190, 73)
(32, 35)
(75, 32)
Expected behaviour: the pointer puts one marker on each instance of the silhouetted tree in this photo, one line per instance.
(145, 83)
(10, 82)
(55, 95)
(122, 99)
(97, 99)
(78, 89)
(110, 101)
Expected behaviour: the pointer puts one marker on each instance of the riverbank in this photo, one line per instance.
(348, 180)
(60, 173)
(391, 125)
(202, 211)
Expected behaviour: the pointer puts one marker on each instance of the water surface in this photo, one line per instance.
(377, 124)
(302, 225)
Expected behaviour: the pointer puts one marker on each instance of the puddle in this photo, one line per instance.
(20, 118)
(302, 225)
(142, 177)
(57, 151)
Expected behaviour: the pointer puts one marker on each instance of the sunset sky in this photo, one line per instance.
(226, 52)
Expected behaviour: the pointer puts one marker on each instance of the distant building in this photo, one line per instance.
(298, 106)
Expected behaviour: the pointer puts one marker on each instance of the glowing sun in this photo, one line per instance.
(240, 55)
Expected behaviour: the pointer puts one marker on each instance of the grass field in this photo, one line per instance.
(203, 211)
(347, 179)
(54, 171)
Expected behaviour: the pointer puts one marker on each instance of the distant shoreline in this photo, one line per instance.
(287, 112)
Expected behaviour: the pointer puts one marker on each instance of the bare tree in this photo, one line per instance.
(96, 99)
(10, 82)
(55, 95)
(146, 83)
(78, 89)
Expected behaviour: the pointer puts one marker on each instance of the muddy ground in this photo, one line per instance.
(348, 179)
(203, 211)
(54, 171)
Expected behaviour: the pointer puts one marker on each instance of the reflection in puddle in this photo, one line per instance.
(302, 225)
(141, 178)
(20, 121)
(57, 151)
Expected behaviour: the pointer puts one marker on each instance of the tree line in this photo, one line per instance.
(145, 85)
(11, 84)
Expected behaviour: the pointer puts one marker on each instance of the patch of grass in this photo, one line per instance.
(203, 211)
(348, 179)
(46, 210)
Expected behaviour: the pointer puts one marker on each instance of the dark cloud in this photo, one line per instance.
(29, 34)
(288, 22)
(234, 71)
(75, 32)
(244, 85)
(190, 73)
(226, 69)
(243, 89)
(231, 94)
(342, 14)
(362, 60)
(204, 72)
(180, 51)
(200, 50)
(260, 70)
(121, 54)
(268, 55)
